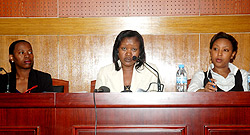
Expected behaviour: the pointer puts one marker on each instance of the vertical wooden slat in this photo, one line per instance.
(81, 57)
(167, 51)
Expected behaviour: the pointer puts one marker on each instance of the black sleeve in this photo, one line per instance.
(2, 89)
(46, 83)
(3, 83)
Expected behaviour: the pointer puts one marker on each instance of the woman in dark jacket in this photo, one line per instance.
(23, 78)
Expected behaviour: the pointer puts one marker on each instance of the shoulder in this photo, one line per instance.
(235, 69)
(199, 73)
(198, 76)
(145, 66)
(107, 68)
(243, 72)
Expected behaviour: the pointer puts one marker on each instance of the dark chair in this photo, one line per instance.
(60, 85)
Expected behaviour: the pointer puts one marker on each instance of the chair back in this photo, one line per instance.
(188, 82)
(92, 87)
(60, 85)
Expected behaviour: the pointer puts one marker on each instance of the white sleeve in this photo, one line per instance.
(100, 80)
(197, 82)
(244, 74)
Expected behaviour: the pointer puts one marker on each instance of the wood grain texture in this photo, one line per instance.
(28, 8)
(153, 99)
(14, 130)
(78, 58)
(191, 113)
(113, 25)
(167, 51)
(27, 100)
(108, 8)
(132, 130)
(81, 57)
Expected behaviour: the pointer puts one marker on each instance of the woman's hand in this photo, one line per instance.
(210, 87)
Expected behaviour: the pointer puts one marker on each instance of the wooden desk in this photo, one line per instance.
(126, 113)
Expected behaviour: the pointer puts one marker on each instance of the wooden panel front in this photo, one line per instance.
(27, 114)
(117, 111)
(131, 130)
(137, 113)
(19, 130)
(227, 130)
(17, 120)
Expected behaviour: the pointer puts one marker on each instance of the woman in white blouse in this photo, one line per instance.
(221, 75)
(126, 74)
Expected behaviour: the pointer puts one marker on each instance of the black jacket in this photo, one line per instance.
(42, 82)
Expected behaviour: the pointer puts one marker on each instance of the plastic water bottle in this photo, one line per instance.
(248, 80)
(181, 79)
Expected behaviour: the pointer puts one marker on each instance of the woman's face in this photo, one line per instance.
(222, 52)
(129, 47)
(22, 56)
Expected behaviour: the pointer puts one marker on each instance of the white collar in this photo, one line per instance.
(232, 67)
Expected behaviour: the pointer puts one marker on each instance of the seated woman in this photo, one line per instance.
(126, 74)
(221, 75)
(23, 78)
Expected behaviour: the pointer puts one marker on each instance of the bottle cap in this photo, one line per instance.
(181, 65)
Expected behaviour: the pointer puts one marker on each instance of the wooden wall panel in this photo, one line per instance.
(167, 51)
(243, 56)
(109, 25)
(121, 8)
(28, 8)
(204, 51)
(163, 7)
(78, 57)
(81, 57)
(93, 8)
(224, 7)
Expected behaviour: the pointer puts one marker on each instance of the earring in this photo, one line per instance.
(210, 60)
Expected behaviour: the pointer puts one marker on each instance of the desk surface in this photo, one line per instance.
(155, 99)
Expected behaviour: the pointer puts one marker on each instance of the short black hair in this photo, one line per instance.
(119, 38)
(11, 52)
(228, 37)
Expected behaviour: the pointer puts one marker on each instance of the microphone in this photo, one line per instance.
(8, 85)
(102, 89)
(160, 89)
